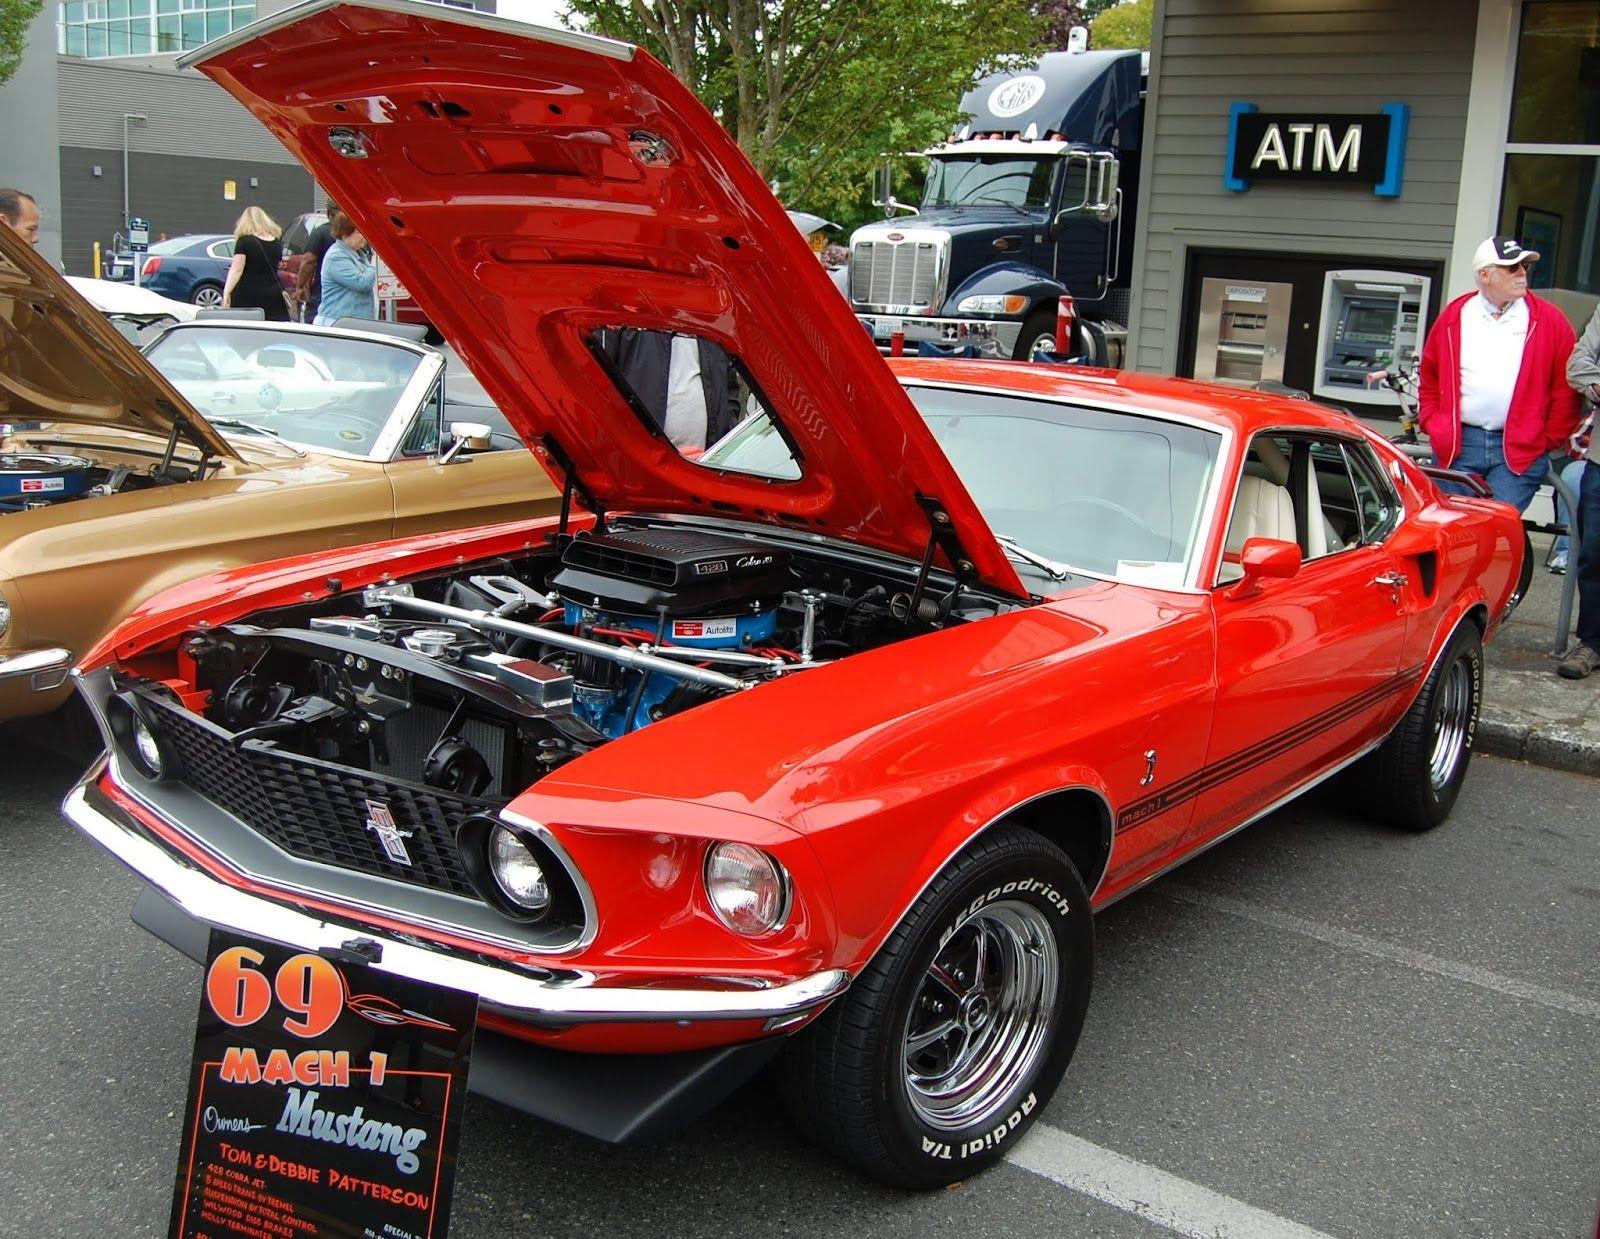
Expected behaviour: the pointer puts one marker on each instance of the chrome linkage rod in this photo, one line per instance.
(621, 655)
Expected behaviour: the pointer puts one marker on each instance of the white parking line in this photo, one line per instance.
(1420, 960)
(1146, 1192)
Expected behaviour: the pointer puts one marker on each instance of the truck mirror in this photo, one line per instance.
(883, 186)
(1100, 196)
(1108, 198)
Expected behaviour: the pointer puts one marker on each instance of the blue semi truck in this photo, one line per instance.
(1027, 201)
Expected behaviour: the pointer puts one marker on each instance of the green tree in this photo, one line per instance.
(15, 18)
(1123, 25)
(817, 91)
(1060, 16)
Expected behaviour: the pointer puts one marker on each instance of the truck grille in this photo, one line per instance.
(317, 810)
(895, 273)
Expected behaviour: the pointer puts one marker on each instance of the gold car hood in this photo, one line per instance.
(61, 361)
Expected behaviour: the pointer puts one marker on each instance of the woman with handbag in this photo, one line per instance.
(253, 273)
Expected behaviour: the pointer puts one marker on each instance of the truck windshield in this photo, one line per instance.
(1008, 180)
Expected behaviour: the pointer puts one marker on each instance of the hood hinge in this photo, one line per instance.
(941, 536)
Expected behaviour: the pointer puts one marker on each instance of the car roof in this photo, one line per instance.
(1240, 410)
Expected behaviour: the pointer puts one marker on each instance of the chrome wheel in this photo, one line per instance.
(981, 1018)
(208, 297)
(1452, 724)
(1043, 345)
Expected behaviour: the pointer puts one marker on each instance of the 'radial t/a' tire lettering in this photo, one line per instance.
(952, 1040)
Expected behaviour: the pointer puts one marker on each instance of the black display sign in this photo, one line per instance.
(324, 1100)
(1304, 146)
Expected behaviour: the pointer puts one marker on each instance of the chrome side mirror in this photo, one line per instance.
(1102, 196)
(476, 436)
(883, 191)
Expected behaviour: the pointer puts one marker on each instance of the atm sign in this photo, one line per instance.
(1357, 149)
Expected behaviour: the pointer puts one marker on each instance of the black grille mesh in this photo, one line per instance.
(317, 810)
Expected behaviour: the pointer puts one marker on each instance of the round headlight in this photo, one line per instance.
(136, 739)
(517, 872)
(145, 745)
(5, 616)
(747, 888)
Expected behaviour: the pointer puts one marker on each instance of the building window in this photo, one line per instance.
(95, 28)
(1551, 194)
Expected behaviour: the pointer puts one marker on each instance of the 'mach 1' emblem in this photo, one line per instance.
(381, 822)
(1343, 149)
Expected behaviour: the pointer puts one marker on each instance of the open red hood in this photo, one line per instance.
(512, 177)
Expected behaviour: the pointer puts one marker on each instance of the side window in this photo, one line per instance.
(222, 249)
(423, 437)
(1376, 500)
(1334, 496)
(1293, 488)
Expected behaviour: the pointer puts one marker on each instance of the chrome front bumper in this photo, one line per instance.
(44, 669)
(1003, 332)
(548, 1001)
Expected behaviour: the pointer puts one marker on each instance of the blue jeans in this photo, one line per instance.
(1589, 560)
(1572, 475)
(1483, 453)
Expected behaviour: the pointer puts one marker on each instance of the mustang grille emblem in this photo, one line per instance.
(381, 822)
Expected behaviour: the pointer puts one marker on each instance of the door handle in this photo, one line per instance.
(1393, 581)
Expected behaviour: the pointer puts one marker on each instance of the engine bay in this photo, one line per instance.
(479, 681)
(43, 479)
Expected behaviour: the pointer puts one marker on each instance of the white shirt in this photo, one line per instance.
(1491, 359)
(685, 423)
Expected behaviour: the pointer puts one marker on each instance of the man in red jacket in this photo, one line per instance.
(1494, 397)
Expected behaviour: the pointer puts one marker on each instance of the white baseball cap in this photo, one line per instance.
(1501, 252)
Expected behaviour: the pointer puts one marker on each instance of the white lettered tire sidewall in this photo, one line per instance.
(1041, 878)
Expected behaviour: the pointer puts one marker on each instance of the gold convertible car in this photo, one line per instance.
(225, 443)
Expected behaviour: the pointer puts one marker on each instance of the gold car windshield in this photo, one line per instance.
(324, 392)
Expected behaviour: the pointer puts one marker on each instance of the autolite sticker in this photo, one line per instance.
(38, 485)
(684, 630)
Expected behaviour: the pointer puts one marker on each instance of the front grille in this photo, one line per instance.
(894, 273)
(317, 810)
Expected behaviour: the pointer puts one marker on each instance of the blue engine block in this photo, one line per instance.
(606, 710)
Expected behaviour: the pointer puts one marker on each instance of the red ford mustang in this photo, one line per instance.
(816, 748)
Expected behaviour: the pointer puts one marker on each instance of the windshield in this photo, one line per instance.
(325, 392)
(1009, 180)
(1066, 488)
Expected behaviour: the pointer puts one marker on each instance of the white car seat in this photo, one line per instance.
(1262, 510)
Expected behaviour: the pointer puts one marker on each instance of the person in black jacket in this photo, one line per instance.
(688, 386)
(308, 277)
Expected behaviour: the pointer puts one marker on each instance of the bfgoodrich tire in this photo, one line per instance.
(952, 1040)
(1411, 782)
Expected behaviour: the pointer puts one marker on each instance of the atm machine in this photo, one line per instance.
(1242, 331)
(1371, 320)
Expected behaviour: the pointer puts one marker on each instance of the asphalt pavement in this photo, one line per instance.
(1318, 1027)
